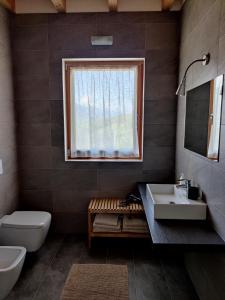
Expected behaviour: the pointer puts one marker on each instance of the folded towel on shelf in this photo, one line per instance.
(135, 230)
(102, 229)
(114, 223)
(107, 226)
(134, 222)
(106, 219)
(104, 224)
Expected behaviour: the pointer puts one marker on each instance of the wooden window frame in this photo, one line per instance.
(67, 66)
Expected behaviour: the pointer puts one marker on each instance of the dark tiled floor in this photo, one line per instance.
(151, 276)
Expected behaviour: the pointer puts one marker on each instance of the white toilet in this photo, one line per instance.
(11, 263)
(25, 228)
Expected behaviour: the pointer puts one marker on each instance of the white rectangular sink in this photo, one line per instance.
(170, 202)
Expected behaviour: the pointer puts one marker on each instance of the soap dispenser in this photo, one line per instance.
(193, 193)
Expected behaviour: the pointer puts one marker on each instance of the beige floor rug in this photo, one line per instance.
(96, 282)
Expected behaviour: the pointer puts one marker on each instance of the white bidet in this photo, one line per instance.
(11, 263)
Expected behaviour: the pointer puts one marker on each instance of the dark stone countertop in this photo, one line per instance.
(188, 234)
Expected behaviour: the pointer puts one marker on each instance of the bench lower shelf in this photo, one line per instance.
(120, 234)
(109, 206)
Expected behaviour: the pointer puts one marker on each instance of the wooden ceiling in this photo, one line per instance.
(113, 4)
(60, 5)
(9, 4)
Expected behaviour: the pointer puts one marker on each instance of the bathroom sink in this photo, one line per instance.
(170, 202)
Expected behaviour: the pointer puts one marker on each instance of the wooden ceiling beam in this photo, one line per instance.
(167, 4)
(8, 4)
(113, 5)
(60, 5)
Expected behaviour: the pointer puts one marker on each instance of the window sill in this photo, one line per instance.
(103, 160)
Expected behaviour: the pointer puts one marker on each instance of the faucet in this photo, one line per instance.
(185, 185)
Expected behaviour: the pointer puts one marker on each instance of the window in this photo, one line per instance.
(103, 109)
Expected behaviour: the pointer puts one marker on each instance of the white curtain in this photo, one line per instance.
(215, 128)
(104, 112)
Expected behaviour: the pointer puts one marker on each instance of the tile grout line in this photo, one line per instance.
(50, 264)
(134, 271)
(165, 277)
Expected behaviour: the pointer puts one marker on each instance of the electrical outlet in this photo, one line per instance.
(1, 167)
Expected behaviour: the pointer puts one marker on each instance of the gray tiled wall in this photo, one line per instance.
(40, 42)
(8, 181)
(203, 30)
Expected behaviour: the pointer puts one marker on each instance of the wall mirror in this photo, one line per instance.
(203, 118)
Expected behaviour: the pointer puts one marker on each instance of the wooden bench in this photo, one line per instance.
(112, 206)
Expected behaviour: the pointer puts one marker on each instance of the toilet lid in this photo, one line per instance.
(26, 219)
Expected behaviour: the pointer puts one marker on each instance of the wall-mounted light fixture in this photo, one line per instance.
(181, 91)
(102, 40)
